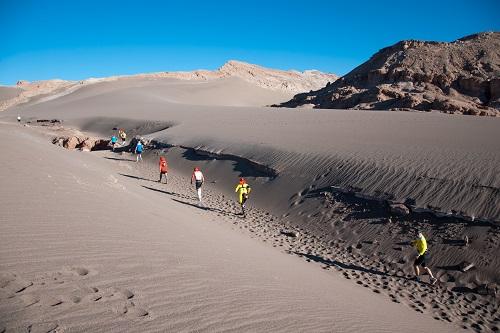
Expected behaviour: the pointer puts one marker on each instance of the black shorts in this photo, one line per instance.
(421, 260)
(244, 198)
(198, 184)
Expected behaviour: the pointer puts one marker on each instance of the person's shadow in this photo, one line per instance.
(136, 177)
(342, 265)
(165, 192)
(119, 159)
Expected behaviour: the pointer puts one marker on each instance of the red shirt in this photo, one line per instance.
(163, 166)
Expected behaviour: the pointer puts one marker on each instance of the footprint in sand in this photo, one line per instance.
(43, 327)
(29, 300)
(12, 284)
(131, 310)
(51, 301)
(78, 271)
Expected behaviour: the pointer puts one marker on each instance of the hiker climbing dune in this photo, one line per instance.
(243, 190)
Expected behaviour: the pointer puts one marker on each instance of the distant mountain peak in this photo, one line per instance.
(291, 80)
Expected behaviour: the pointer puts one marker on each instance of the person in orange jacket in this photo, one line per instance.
(163, 169)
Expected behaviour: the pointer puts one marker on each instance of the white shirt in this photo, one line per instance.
(198, 175)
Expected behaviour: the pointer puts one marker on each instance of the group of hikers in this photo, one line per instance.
(114, 139)
(243, 190)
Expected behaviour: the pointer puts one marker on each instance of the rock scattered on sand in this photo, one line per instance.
(290, 233)
(466, 266)
(399, 209)
(82, 143)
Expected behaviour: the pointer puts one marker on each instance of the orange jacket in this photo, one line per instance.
(163, 165)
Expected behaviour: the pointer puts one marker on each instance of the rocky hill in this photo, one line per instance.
(459, 77)
(287, 81)
(292, 81)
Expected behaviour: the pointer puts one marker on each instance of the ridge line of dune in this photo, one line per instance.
(273, 79)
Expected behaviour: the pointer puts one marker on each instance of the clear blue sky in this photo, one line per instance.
(79, 39)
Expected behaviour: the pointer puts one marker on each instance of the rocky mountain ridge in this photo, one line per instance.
(459, 77)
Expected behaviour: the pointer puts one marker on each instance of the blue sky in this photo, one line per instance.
(80, 39)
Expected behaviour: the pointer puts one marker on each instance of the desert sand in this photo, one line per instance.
(91, 242)
(87, 249)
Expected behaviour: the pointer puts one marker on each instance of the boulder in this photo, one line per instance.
(71, 142)
(399, 208)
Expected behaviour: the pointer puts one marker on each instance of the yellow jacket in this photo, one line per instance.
(421, 245)
(242, 189)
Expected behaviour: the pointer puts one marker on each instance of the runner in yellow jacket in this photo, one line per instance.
(420, 245)
(243, 190)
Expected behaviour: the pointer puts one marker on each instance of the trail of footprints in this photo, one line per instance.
(469, 311)
(472, 312)
(62, 290)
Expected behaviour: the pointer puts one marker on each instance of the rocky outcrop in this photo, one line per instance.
(292, 81)
(459, 77)
(82, 143)
(32, 90)
(288, 81)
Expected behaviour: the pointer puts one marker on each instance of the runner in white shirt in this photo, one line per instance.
(198, 178)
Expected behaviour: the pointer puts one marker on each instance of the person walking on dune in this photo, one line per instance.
(420, 245)
(243, 190)
(114, 140)
(138, 150)
(163, 169)
(123, 136)
(18, 119)
(199, 179)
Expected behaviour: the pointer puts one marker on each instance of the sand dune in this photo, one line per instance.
(99, 246)
(8, 93)
(413, 157)
(245, 84)
(86, 248)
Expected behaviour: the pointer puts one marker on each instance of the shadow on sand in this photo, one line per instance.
(212, 209)
(119, 159)
(242, 166)
(166, 192)
(137, 177)
(342, 265)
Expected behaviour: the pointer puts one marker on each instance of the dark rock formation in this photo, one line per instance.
(459, 77)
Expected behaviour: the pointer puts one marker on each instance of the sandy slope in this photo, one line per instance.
(448, 164)
(431, 161)
(8, 92)
(84, 248)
